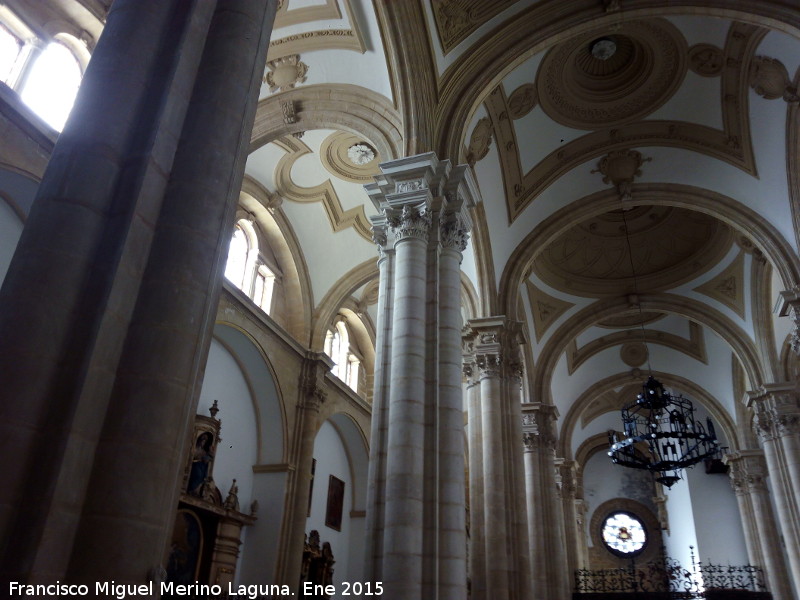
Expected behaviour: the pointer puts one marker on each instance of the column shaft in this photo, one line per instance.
(452, 563)
(95, 209)
(405, 457)
(477, 555)
(161, 369)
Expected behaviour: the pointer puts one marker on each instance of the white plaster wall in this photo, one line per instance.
(682, 533)
(720, 539)
(236, 453)
(16, 196)
(332, 459)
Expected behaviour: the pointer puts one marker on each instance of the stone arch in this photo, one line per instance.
(734, 335)
(763, 234)
(345, 107)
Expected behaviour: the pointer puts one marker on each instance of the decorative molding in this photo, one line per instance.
(410, 222)
(334, 154)
(456, 19)
(731, 144)
(620, 168)
(348, 37)
(581, 91)
(728, 286)
(633, 354)
(545, 308)
(338, 217)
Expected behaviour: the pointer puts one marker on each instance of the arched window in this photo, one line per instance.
(52, 83)
(346, 363)
(245, 267)
(10, 51)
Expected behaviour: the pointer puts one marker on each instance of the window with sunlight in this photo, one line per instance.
(10, 50)
(345, 362)
(52, 84)
(245, 267)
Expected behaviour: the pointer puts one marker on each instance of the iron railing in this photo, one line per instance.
(668, 576)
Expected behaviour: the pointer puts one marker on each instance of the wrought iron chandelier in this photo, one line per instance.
(660, 433)
(666, 425)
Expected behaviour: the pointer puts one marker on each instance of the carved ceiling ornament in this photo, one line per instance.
(346, 37)
(619, 168)
(545, 309)
(580, 90)
(479, 141)
(670, 246)
(285, 72)
(457, 19)
(706, 60)
(522, 101)
(770, 80)
(633, 354)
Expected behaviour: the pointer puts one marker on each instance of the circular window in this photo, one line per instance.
(624, 534)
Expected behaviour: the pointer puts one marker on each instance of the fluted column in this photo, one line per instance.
(417, 499)
(748, 472)
(777, 421)
(544, 508)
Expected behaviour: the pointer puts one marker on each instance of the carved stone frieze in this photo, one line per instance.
(411, 222)
(289, 112)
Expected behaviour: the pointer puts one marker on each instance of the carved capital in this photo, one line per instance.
(748, 471)
(489, 363)
(312, 380)
(411, 222)
(539, 420)
(777, 412)
(454, 235)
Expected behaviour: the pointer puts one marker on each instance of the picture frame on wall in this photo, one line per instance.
(335, 507)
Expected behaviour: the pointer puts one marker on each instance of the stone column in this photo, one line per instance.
(494, 341)
(748, 472)
(477, 553)
(160, 373)
(567, 484)
(306, 426)
(777, 421)
(101, 208)
(548, 557)
(376, 489)
(417, 501)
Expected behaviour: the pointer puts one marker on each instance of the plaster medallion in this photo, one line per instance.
(285, 72)
(706, 60)
(349, 157)
(479, 141)
(599, 79)
(633, 354)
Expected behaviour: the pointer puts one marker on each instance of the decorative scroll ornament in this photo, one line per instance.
(770, 80)
(285, 72)
(411, 223)
(289, 112)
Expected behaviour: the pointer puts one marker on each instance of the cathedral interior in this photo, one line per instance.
(353, 292)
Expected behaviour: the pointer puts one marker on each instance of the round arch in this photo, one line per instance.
(694, 310)
(345, 107)
(777, 249)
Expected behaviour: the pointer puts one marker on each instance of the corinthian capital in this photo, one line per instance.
(411, 222)
(454, 234)
(748, 471)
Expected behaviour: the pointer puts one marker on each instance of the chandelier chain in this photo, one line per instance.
(636, 290)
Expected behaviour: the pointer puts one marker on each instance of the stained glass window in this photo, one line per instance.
(624, 534)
